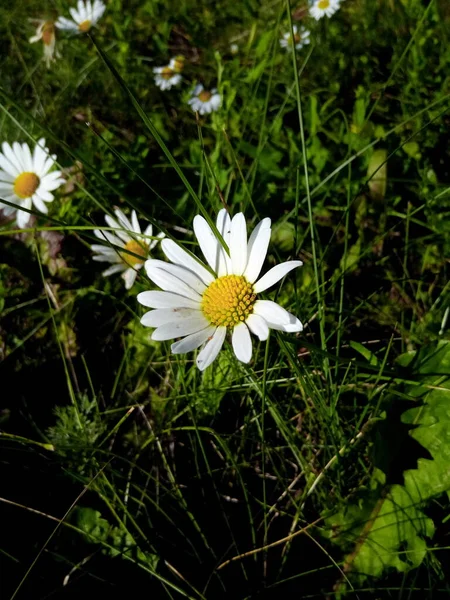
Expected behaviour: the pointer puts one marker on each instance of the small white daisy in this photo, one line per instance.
(166, 77)
(202, 304)
(204, 101)
(25, 178)
(85, 16)
(45, 31)
(301, 38)
(127, 235)
(322, 8)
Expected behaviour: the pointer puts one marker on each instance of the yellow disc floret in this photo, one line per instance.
(228, 301)
(323, 4)
(204, 96)
(167, 73)
(141, 249)
(84, 26)
(26, 184)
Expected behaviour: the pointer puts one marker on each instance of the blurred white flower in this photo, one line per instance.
(85, 16)
(166, 77)
(126, 247)
(324, 8)
(301, 38)
(204, 101)
(201, 304)
(45, 31)
(26, 178)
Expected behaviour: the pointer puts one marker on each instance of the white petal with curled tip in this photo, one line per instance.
(223, 224)
(209, 353)
(258, 326)
(45, 196)
(135, 223)
(169, 282)
(112, 270)
(108, 237)
(193, 341)
(276, 316)
(242, 343)
(238, 244)
(129, 277)
(161, 316)
(182, 273)
(157, 299)
(177, 329)
(177, 255)
(275, 274)
(293, 327)
(257, 249)
(208, 242)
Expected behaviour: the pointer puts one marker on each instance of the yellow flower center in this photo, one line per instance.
(228, 300)
(48, 32)
(323, 4)
(296, 39)
(167, 73)
(26, 184)
(204, 96)
(178, 64)
(84, 26)
(139, 248)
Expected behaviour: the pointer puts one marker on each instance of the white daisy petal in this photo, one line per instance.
(136, 226)
(157, 299)
(8, 167)
(238, 244)
(182, 273)
(177, 255)
(169, 282)
(112, 270)
(125, 237)
(223, 225)
(275, 274)
(161, 316)
(193, 341)
(27, 158)
(169, 331)
(129, 277)
(209, 353)
(293, 326)
(257, 250)
(258, 326)
(242, 343)
(12, 159)
(208, 242)
(275, 315)
(39, 204)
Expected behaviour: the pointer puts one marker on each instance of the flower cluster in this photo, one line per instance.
(299, 37)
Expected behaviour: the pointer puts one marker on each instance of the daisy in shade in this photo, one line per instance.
(166, 77)
(126, 248)
(45, 31)
(324, 8)
(301, 38)
(84, 16)
(204, 101)
(202, 304)
(26, 178)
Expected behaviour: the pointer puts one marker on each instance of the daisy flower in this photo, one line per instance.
(322, 8)
(201, 304)
(45, 31)
(25, 178)
(85, 16)
(129, 237)
(204, 101)
(166, 77)
(301, 38)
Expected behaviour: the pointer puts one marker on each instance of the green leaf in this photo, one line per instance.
(386, 527)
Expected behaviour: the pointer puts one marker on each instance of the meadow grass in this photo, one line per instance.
(320, 468)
